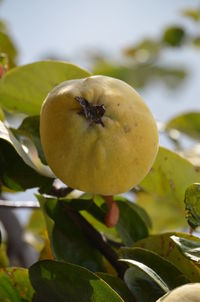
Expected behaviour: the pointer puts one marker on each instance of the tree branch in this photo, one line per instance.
(97, 240)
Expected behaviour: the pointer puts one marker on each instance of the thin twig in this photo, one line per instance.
(19, 204)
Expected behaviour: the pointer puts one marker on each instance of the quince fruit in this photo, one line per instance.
(98, 135)
(186, 293)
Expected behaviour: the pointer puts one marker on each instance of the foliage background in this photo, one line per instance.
(157, 51)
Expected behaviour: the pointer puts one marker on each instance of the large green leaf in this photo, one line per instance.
(60, 282)
(148, 271)
(24, 88)
(165, 269)
(15, 285)
(68, 241)
(131, 226)
(142, 285)
(164, 246)
(119, 286)
(188, 123)
(164, 190)
(192, 205)
(30, 128)
(18, 172)
(190, 247)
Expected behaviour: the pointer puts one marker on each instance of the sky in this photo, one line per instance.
(70, 29)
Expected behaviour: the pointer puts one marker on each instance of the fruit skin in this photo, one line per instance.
(185, 293)
(105, 158)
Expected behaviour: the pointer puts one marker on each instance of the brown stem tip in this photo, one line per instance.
(112, 216)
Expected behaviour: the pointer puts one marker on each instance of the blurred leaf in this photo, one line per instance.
(61, 282)
(166, 270)
(15, 285)
(192, 205)
(164, 246)
(141, 75)
(1, 115)
(36, 223)
(68, 241)
(24, 88)
(196, 41)
(145, 51)
(188, 123)
(142, 286)
(4, 261)
(192, 13)
(30, 128)
(119, 286)
(7, 47)
(165, 187)
(17, 170)
(35, 230)
(46, 252)
(174, 36)
(189, 247)
(131, 227)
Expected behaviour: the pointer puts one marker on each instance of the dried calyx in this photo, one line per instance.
(92, 113)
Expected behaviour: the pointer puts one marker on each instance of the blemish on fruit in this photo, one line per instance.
(170, 248)
(172, 185)
(127, 128)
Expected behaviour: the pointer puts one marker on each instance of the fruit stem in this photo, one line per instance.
(93, 113)
(112, 216)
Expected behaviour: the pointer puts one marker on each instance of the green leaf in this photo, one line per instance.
(142, 286)
(164, 190)
(15, 285)
(164, 246)
(68, 242)
(7, 47)
(119, 286)
(4, 261)
(24, 88)
(148, 271)
(188, 123)
(189, 247)
(18, 172)
(192, 205)
(131, 226)
(196, 42)
(145, 51)
(174, 36)
(60, 282)
(140, 75)
(1, 114)
(30, 128)
(166, 270)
